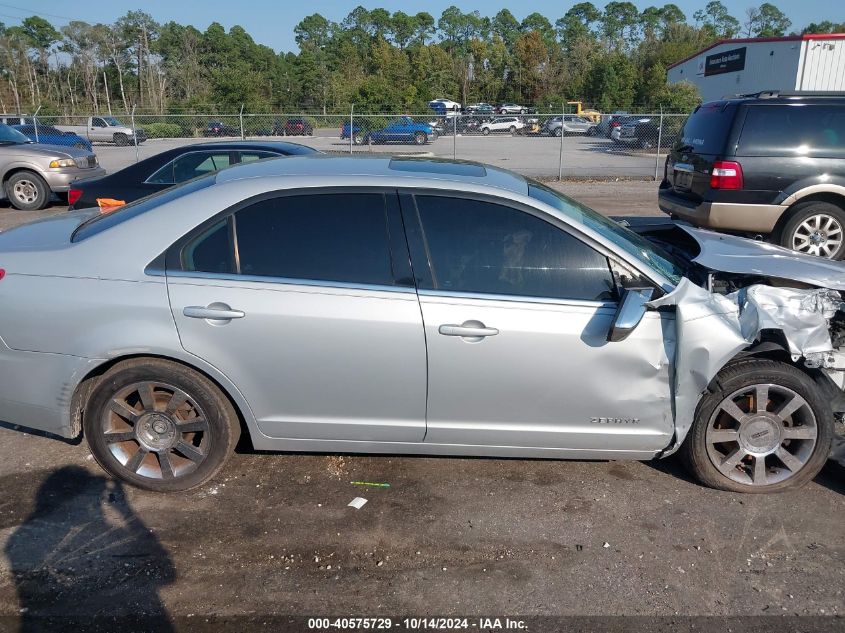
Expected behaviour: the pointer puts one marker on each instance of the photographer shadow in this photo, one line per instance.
(83, 560)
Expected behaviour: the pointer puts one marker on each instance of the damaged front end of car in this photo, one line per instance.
(743, 298)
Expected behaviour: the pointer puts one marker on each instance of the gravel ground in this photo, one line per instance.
(273, 535)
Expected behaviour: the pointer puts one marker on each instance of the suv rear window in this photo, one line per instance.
(793, 130)
(707, 128)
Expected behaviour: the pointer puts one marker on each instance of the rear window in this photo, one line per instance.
(104, 221)
(793, 130)
(707, 128)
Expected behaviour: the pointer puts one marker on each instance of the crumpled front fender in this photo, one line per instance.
(712, 329)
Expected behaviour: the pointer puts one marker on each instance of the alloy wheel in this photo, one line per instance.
(156, 430)
(819, 234)
(761, 434)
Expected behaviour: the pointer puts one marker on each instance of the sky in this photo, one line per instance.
(271, 22)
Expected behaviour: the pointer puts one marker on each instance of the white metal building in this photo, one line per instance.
(741, 66)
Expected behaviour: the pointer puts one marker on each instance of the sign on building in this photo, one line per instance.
(725, 62)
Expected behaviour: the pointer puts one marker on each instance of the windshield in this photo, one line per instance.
(10, 135)
(633, 244)
(110, 120)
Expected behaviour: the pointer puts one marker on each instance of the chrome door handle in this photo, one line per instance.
(213, 311)
(468, 329)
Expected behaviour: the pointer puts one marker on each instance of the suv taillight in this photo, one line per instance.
(726, 174)
(73, 196)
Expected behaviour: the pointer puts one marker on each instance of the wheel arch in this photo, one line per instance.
(86, 385)
(832, 195)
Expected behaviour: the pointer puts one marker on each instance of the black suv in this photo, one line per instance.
(769, 164)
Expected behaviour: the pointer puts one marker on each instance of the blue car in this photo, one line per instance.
(52, 136)
(402, 130)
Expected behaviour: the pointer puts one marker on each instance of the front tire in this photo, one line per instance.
(816, 228)
(485, 131)
(121, 140)
(159, 425)
(420, 138)
(765, 427)
(27, 191)
(558, 132)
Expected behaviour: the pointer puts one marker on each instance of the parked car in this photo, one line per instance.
(218, 128)
(512, 108)
(646, 135)
(173, 167)
(445, 107)
(620, 122)
(509, 124)
(357, 132)
(420, 306)
(572, 124)
(294, 126)
(482, 109)
(107, 129)
(32, 172)
(613, 121)
(16, 119)
(53, 136)
(771, 164)
(402, 130)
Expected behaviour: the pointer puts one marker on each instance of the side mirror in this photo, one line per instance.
(630, 312)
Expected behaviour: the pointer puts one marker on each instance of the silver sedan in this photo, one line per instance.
(414, 306)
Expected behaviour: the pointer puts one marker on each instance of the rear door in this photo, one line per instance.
(305, 300)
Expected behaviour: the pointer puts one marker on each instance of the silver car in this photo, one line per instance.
(31, 172)
(572, 124)
(414, 306)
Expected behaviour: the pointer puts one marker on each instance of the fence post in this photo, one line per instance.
(351, 126)
(455, 136)
(560, 155)
(134, 132)
(659, 140)
(241, 117)
(35, 123)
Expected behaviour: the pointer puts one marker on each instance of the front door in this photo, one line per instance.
(517, 313)
(305, 302)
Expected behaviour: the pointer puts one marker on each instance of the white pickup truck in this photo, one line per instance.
(107, 129)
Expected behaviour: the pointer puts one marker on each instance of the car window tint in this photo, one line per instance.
(325, 237)
(190, 166)
(793, 130)
(706, 130)
(211, 252)
(98, 122)
(249, 157)
(486, 248)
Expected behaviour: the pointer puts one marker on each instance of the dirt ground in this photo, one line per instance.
(272, 536)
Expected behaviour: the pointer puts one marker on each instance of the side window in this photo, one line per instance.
(249, 157)
(325, 237)
(189, 166)
(210, 252)
(486, 248)
(793, 130)
(98, 122)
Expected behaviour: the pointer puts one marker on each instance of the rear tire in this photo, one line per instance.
(27, 191)
(815, 227)
(770, 447)
(159, 425)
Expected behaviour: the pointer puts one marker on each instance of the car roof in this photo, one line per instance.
(396, 168)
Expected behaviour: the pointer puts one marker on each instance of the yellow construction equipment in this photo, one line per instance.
(592, 115)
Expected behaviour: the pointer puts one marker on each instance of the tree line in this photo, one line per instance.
(613, 57)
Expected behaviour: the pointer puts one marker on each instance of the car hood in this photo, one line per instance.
(46, 150)
(731, 254)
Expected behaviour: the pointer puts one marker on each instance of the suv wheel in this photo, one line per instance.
(159, 425)
(765, 427)
(27, 191)
(121, 140)
(558, 131)
(817, 228)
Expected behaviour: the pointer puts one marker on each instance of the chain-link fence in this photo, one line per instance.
(598, 147)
